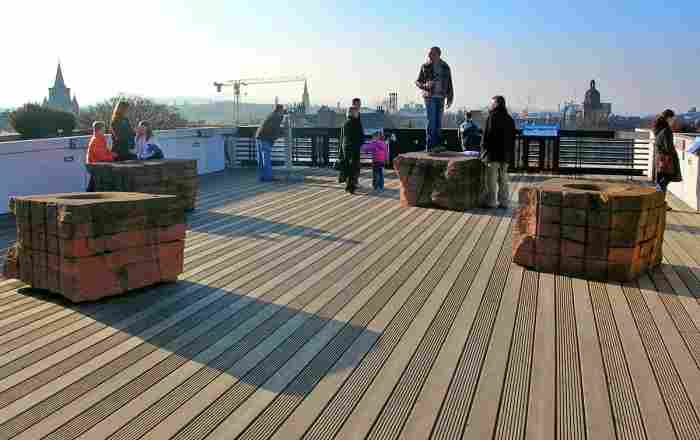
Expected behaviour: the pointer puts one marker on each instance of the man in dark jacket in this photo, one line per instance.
(265, 137)
(497, 148)
(435, 80)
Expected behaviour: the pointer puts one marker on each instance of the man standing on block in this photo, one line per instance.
(265, 138)
(497, 149)
(435, 80)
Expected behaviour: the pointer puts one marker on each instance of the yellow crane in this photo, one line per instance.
(237, 84)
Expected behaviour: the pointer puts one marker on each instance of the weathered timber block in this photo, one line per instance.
(447, 180)
(595, 230)
(177, 177)
(87, 246)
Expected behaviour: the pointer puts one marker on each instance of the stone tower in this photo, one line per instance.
(305, 100)
(59, 95)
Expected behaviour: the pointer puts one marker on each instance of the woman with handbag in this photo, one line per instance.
(668, 167)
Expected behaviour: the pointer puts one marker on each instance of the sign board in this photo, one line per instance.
(533, 130)
(695, 147)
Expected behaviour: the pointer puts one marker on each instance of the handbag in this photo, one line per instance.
(664, 163)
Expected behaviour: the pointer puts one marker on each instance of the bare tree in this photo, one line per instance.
(161, 116)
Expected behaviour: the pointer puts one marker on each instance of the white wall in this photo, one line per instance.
(57, 165)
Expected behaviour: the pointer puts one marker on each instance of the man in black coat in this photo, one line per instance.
(497, 149)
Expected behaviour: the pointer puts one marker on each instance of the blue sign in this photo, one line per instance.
(540, 130)
(695, 148)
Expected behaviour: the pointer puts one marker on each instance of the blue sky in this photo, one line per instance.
(645, 56)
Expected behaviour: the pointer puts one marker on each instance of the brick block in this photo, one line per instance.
(573, 217)
(573, 233)
(549, 230)
(597, 244)
(599, 219)
(550, 214)
(623, 255)
(596, 269)
(572, 266)
(177, 232)
(547, 263)
(547, 246)
(572, 249)
(576, 200)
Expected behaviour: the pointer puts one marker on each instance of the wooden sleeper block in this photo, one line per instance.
(99, 244)
(596, 230)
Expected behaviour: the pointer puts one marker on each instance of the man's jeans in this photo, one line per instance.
(497, 176)
(435, 107)
(264, 155)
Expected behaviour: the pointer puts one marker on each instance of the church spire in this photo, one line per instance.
(59, 77)
(306, 101)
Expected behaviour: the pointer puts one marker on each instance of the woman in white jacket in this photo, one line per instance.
(146, 146)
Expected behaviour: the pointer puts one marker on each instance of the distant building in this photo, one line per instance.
(60, 96)
(595, 112)
(330, 118)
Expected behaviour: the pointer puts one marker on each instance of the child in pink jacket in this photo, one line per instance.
(378, 149)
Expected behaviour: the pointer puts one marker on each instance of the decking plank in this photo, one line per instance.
(653, 414)
(541, 413)
(298, 316)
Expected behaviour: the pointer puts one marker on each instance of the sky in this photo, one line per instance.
(643, 55)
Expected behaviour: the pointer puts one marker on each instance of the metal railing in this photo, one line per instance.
(574, 152)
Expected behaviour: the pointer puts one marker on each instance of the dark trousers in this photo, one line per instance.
(91, 184)
(378, 176)
(352, 157)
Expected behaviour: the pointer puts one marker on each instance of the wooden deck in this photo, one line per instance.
(308, 313)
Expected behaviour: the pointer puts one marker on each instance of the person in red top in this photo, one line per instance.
(97, 150)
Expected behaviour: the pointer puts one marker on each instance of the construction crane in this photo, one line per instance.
(237, 84)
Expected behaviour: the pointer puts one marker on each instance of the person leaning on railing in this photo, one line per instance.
(668, 168)
(265, 138)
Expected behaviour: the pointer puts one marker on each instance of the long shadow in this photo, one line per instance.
(694, 230)
(228, 225)
(229, 333)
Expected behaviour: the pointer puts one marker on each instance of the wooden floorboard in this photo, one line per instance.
(305, 312)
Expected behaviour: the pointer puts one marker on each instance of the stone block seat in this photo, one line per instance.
(177, 177)
(591, 229)
(446, 180)
(87, 246)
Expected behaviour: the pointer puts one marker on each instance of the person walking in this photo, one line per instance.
(497, 148)
(668, 168)
(353, 137)
(268, 132)
(469, 133)
(123, 135)
(435, 80)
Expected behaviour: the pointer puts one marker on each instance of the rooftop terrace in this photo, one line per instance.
(308, 313)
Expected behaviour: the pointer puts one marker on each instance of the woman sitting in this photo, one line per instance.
(146, 147)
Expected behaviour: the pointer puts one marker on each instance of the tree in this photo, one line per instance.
(160, 116)
(36, 121)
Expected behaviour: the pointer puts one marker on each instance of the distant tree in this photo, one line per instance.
(161, 116)
(36, 121)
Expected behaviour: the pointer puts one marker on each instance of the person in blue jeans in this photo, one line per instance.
(435, 80)
(265, 138)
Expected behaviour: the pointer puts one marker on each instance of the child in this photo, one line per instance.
(377, 147)
(146, 147)
(97, 150)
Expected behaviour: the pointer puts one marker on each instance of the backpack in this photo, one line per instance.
(471, 136)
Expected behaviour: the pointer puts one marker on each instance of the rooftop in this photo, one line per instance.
(308, 313)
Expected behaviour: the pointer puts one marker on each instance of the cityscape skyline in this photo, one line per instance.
(540, 56)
